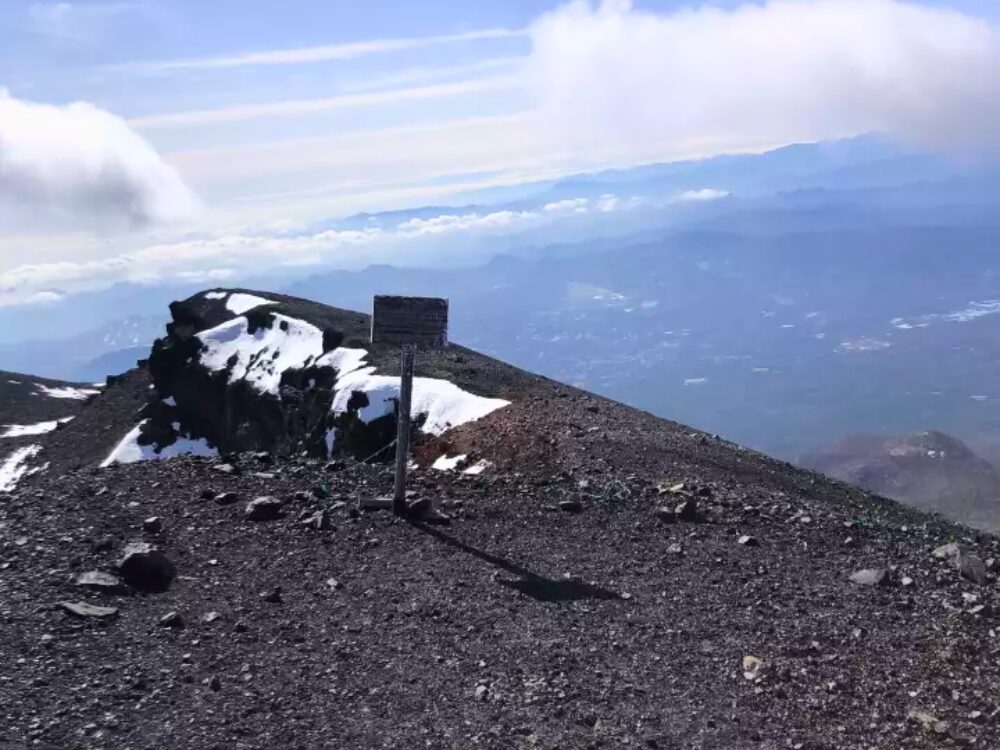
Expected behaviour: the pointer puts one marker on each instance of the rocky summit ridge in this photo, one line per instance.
(594, 576)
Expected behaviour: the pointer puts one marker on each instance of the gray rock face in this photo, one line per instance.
(872, 577)
(947, 551)
(263, 509)
(145, 568)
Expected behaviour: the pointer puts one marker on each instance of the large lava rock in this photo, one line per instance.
(229, 405)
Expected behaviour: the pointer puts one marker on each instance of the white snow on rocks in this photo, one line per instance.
(477, 468)
(76, 394)
(443, 403)
(129, 450)
(239, 303)
(261, 356)
(216, 295)
(443, 463)
(40, 428)
(15, 466)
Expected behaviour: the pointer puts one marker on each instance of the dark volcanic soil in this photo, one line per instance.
(471, 635)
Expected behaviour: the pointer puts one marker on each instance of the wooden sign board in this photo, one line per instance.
(422, 321)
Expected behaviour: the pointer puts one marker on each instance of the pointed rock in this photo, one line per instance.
(263, 509)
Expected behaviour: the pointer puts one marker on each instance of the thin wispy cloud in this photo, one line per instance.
(306, 55)
(299, 107)
(78, 22)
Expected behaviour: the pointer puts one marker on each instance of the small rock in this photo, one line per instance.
(103, 582)
(928, 722)
(947, 551)
(215, 684)
(569, 506)
(334, 584)
(320, 521)
(687, 510)
(85, 611)
(153, 525)
(675, 549)
(482, 692)
(227, 498)
(754, 668)
(666, 515)
(872, 577)
(104, 544)
(171, 620)
(273, 596)
(971, 568)
(225, 468)
(207, 494)
(144, 567)
(748, 541)
(209, 617)
(419, 507)
(263, 509)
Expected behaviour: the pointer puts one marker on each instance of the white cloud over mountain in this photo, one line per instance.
(766, 73)
(77, 164)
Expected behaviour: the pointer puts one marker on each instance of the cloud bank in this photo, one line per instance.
(766, 74)
(78, 164)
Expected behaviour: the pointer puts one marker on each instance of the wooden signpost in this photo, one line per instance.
(410, 322)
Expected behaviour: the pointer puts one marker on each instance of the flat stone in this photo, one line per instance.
(85, 611)
(571, 506)
(872, 577)
(227, 498)
(100, 581)
(748, 541)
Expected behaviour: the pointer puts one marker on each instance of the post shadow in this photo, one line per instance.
(538, 587)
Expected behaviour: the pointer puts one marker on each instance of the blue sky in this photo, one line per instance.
(229, 118)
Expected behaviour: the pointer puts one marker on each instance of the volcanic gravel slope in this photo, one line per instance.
(567, 604)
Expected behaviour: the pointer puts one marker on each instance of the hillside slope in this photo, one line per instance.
(607, 578)
(929, 470)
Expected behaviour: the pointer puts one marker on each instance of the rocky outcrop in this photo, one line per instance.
(240, 371)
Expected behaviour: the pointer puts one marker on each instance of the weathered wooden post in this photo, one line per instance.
(409, 322)
(403, 432)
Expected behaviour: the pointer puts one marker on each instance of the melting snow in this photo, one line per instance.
(448, 464)
(216, 295)
(128, 451)
(477, 468)
(22, 430)
(77, 394)
(239, 303)
(15, 466)
(261, 356)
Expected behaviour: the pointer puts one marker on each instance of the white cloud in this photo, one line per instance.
(300, 107)
(704, 194)
(236, 255)
(78, 163)
(782, 71)
(303, 55)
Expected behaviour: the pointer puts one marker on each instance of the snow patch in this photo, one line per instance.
(129, 450)
(77, 394)
(15, 466)
(444, 463)
(239, 303)
(477, 468)
(262, 356)
(216, 295)
(40, 428)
